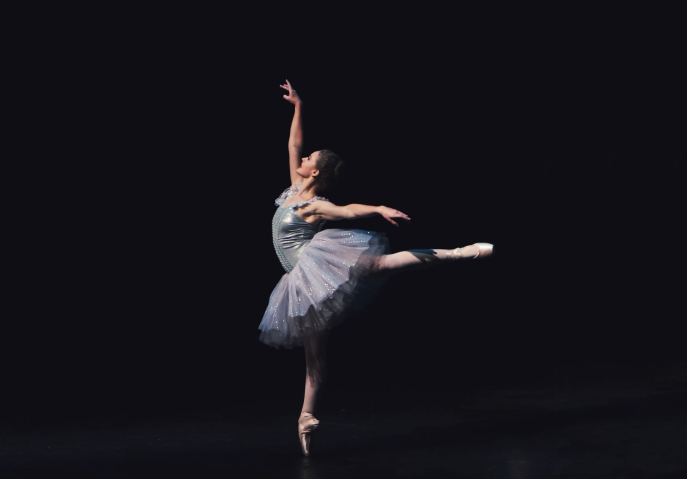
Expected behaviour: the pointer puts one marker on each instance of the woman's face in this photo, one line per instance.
(308, 166)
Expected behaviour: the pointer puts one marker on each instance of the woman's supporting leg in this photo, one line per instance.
(421, 258)
(315, 369)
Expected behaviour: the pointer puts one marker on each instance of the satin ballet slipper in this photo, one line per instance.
(307, 423)
(483, 250)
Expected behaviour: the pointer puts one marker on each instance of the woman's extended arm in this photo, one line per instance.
(296, 136)
(329, 211)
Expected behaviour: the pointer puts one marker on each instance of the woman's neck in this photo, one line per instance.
(307, 190)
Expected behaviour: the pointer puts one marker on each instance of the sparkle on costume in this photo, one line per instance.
(327, 275)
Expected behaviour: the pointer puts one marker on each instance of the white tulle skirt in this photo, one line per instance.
(332, 279)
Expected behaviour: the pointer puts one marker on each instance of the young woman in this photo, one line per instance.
(329, 273)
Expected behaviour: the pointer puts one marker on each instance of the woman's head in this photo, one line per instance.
(329, 166)
(324, 166)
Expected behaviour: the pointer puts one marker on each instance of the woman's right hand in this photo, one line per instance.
(389, 214)
(292, 97)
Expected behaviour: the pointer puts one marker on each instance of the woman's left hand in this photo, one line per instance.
(389, 214)
(292, 97)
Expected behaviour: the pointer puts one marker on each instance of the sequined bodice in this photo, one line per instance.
(291, 233)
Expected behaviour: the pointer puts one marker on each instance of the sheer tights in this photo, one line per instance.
(421, 258)
(315, 368)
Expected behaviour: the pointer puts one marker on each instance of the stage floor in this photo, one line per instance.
(612, 425)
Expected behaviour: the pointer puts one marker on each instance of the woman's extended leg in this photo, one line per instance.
(420, 258)
(315, 369)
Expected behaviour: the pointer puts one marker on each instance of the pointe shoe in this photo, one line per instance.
(307, 423)
(483, 250)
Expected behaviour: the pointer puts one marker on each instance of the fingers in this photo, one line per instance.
(292, 92)
(391, 221)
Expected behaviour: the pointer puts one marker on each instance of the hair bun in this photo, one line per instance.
(329, 164)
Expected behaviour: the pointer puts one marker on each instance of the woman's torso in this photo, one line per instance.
(291, 233)
(296, 200)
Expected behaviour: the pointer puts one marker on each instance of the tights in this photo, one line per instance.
(315, 346)
(315, 368)
(421, 258)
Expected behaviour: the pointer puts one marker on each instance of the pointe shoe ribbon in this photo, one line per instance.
(307, 423)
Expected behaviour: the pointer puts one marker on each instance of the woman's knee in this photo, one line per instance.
(381, 264)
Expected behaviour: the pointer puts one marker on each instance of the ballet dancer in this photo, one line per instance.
(329, 273)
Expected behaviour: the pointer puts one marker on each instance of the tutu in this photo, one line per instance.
(331, 279)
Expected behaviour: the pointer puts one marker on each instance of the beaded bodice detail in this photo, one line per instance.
(291, 233)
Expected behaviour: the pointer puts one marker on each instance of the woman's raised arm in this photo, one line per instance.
(296, 136)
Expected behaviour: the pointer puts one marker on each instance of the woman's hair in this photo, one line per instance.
(330, 165)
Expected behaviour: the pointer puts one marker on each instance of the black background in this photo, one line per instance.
(557, 136)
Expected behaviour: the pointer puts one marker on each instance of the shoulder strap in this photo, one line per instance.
(305, 203)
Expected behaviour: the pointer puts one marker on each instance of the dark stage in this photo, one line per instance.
(607, 421)
(134, 351)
